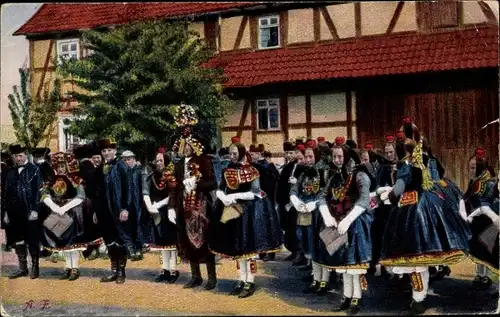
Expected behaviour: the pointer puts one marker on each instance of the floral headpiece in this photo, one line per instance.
(68, 159)
(185, 118)
(185, 115)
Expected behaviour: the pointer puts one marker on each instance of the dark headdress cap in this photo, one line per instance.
(106, 144)
(5, 155)
(287, 146)
(261, 148)
(94, 149)
(17, 148)
(351, 144)
(40, 151)
(84, 151)
(299, 141)
(253, 148)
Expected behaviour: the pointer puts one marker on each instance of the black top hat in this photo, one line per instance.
(16, 149)
(106, 144)
(84, 151)
(40, 151)
(94, 149)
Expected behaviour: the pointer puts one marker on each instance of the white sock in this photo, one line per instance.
(316, 271)
(68, 258)
(75, 259)
(165, 263)
(250, 275)
(173, 260)
(243, 270)
(348, 285)
(356, 286)
(325, 275)
(480, 270)
(420, 296)
(102, 248)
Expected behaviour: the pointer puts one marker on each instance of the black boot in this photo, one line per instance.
(122, 263)
(355, 306)
(212, 275)
(22, 256)
(312, 288)
(416, 308)
(238, 288)
(66, 274)
(75, 274)
(35, 261)
(163, 276)
(345, 303)
(114, 270)
(174, 275)
(196, 279)
(323, 288)
(248, 290)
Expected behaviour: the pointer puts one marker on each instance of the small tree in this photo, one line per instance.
(133, 78)
(33, 119)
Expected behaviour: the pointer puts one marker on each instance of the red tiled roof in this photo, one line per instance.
(383, 55)
(69, 17)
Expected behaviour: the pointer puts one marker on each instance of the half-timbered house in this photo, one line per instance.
(328, 69)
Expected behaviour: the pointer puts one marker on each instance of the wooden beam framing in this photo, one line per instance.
(308, 115)
(348, 109)
(317, 26)
(254, 120)
(46, 65)
(395, 17)
(284, 115)
(357, 18)
(241, 30)
(284, 28)
(243, 118)
(254, 32)
(237, 129)
(487, 12)
(317, 125)
(329, 23)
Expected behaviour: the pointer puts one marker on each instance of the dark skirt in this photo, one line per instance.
(74, 239)
(484, 251)
(164, 234)
(424, 233)
(358, 250)
(288, 220)
(380, 216)
(256, 231)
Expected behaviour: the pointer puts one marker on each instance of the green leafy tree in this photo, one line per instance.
(135, 76)
(34, 118)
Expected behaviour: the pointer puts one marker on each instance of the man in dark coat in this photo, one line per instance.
(41, 159)
(87, 172)
(6, 165)
(22, 203)
(114, 214)
(195, 179)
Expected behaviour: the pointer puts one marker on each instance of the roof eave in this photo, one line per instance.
(190, 16)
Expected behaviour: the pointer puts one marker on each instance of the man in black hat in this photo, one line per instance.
(114, 214)
(40, 156)
(6, 164)
(87, 172)
(22, 203)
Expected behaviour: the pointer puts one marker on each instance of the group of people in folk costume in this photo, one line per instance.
(336, 208)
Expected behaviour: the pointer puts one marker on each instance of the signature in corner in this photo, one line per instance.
(32, 304)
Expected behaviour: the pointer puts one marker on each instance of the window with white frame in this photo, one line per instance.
(269, 31)
(68, 49)
(268, 114)
(67, 141)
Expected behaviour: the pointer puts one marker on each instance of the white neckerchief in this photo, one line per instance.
(186, 170)
(20, 169)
